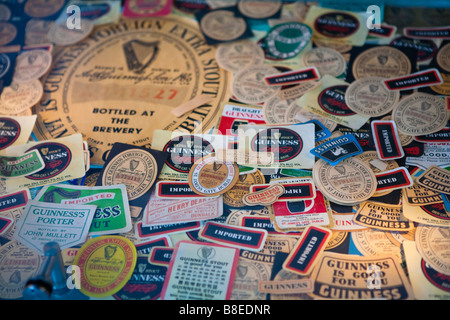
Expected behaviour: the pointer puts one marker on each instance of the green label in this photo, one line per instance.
(20, 166)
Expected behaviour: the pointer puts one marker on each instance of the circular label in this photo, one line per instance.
(336, 24)
(209, 177)
(326, 60)
(124, 66)
(349, 182)
(9, 132)
(426, 49)
(5, 64)
(233, 197)
(146, 7)
(56, 156)
(106, 263)
(222, 25)
(61, 35)
(19, 97)
(286, 40)
(135, 168)
(31, 65)
(368, 97)
(381, 61)
(436, 210)
(285, 143)
(420, 114)
(237, 55)
(438, 279)
(443, 57)
(373, 242)
(5, 13)
(259, 9)
(274, 109)
(185, 150)
(433, 243)
(332, 100)
(8, 32)
(145, 283)
(248, 85)
(43, 8)
(338, 46)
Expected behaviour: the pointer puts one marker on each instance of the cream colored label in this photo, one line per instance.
(416, 195)
(248, 275)
(372, 242)
(433, 244)
(18, 97)
(130, 85)
(326, 60)
(286, 286)
(15, 130)
(426, 214)
(235, 56)
(382, 216)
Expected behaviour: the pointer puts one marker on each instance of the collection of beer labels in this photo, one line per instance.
(225, 150)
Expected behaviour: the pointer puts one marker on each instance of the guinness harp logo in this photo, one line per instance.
(139, 54)
(133, 164)
(110, 251)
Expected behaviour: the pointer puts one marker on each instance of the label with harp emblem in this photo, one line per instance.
(129, 86)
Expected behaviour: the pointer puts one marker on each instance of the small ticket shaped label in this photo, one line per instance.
(394, 179)
(161, 230)
(427, 33)
(386, 139)
(307, 251)
(160, 256)
(251, 239)
(174, 189)
(425, 78)
(214, 264)
(293, 77)
(14, 200)
(265, 196)
(15, 130)
(293, 191)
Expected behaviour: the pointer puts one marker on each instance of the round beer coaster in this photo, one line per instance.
(326, 60)
(372, 242)
(248, 85)
(338, 46)
(134, 168)
(348, 183)
(235, 56)
(296, 113)
(286, 40)
(369, 97)
(233, 197)
(404, 139)
(61, 35)
(31, 65)
(5, 13)
(259, 9)
(433, 243)
(106, 263)
(443, 57)
(420, 114)
(8, 32)
(43, 8)
(209, 177)
(274, 109)
(19, 97)
(222, 25)
(368, 156)
(381, 61)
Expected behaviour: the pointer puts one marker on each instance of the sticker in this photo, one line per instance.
(144, 248)
(135, 167)
(165, 229)
(31, 65)
(394, 179)
(133, 55)
(266, 196)
(290, 144)
(239, 237)
(427, 32)
(164, 211)
(160, 256)
(258, 222)
(233, 115)
(436, 137)
(210, 177)
(351, 277)
(308, 250)
(222, 25)
(249, 273)
(338, 149)
(24, 165)
(43, 222)
(420, 114)
(43, 9)
(326, 60)
(328, 101)
(427, 283)
(18, 263)
(368, 97)
(293, 191)
(382, 216)
(343, 218)
(234, 196)
(194, 266)
(248, 85)
(63, 158)
(138, 8)
(425, 78)
(287, 40)
(383, 31)
(381, 61)
(237, 55)
(19, 97)
(372, 242)
(442, 57)
(106, 263)
(387, 141)
(59, 33)
(431, 214)
(349, 182)
(436, 179)
(426, 49)
(293, 77)
(99, 11)
(112, 214)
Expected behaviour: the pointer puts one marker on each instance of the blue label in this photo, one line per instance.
(338, 149)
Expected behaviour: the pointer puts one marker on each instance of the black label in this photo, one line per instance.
(9, 132)
(175, 189)
(388, 146)
(332, 100)
(417, 80)
(57, 158)
(392, 179)
(286, 144)
(233, 235)
(336, 24)
(426, 49)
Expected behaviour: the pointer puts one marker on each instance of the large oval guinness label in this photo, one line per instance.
(9, 132)
(56, 157)
(332, 100)
(286, 144)
(336, 24)
(185, 150)
(131, 75)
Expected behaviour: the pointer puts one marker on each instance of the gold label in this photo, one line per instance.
(382, 216)
(124, 67)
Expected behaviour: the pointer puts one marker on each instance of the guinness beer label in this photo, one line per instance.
(92, 66)
(174, 189)
(417, 195)
(436, 179)
(392, 180)
(433, 245)
(387, 141)
(427, 33)
(338, 149)
(382, 216)
(431, 214)
(416, 80)
(15, 130)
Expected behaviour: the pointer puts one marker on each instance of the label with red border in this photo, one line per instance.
(307, 250)
(14, 200)
(292, 191)
(386, 139)
(394, 179)
(252, 239)
(158, 230)
(425, 78)
(160, 256)
(427, 33)
(384, 31)
(5, 223)
(175, 189)
(293, 77)
(145, 247)
(259, 222)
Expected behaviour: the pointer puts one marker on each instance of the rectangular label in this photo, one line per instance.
(426, 78)
(393, 179)
(175, 189)
(160, 256)
(293, 77)
(427, 33)
(386, 139)
(292, 191)
(152, 231)
(14, 200)
(436, 179)
(382, 216)
(338, 149)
